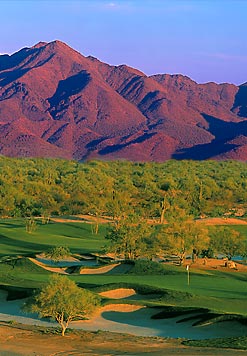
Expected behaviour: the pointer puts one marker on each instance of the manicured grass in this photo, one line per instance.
(14, 240)
(215, 290)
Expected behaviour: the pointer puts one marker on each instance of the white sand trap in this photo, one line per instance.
(126, 318)
(118, 293)
(51, 269)
(136, 320)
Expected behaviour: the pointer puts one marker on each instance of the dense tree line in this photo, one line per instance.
(43, 187)
(132, 238)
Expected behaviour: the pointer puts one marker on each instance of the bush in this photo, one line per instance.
(58, 253)
(148, 268)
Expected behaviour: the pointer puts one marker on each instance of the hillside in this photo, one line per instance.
(54, 102)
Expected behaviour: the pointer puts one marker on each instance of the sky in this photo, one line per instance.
(203, 39)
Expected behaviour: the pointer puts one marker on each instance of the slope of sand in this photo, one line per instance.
(51, 269)
(136, 320)
(115, 268)
(127, 318)
(118, 293)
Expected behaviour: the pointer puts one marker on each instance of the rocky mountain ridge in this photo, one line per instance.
(54, 102)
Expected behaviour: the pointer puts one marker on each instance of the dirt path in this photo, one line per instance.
(19, 340)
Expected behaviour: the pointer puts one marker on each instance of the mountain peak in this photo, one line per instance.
(40, 44)
(54, 102)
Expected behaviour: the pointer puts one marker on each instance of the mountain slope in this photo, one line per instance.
(54, 102)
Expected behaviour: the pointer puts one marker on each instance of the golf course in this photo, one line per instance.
(201, 302)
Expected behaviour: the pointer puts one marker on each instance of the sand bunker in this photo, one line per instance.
(127, 318)
(51, 269)
(99, 270)
(136, 320)
(116, 268)
(118, 293)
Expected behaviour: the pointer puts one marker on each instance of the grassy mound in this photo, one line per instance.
(21, 263)
(146, 267)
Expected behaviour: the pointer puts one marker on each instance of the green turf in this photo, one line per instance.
(218, 291)
(78, 237)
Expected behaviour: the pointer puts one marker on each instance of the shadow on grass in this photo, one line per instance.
(22, 247)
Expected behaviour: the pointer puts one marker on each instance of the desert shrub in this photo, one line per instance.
(58, 253)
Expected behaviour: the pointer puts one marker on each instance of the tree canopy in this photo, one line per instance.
(43, 187)
(62, 300)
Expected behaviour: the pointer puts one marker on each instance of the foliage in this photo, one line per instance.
(130, 238)
(30, 225)
(229, 343)
(228, 241)
(62, 300)
(183, 235)
(46, 187)
(147, 267)
(58, 253)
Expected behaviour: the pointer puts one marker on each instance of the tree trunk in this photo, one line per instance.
(63, 330)
(64, 326)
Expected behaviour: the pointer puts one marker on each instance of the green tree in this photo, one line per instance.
(59, 252)
(30, 224)
(228, 241)
(183, 235)
(130, 238)
(62, 300)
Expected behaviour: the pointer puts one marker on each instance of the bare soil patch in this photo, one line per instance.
(22, 340)
(219, 264)
(222, 221)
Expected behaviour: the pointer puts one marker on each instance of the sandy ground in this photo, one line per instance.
(51, 269)
(118, 293)
(126, 318)
(119, 318)
(213, 263)
(18, 340)
(222, 221)
(116, 268)
(106, 219)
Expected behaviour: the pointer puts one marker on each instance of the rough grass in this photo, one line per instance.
(231, 343)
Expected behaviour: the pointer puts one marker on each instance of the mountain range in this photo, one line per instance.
(55, 102)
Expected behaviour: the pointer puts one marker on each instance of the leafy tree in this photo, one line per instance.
(62, 300)
(130, 238)
(183, 235)
(59, 252)
(228, 241)
(30, 224)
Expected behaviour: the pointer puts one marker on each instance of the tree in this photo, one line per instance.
(58, 253)
(228, 241)
(130, 237)
(183, 235)
(30, 224)
(62, 300)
